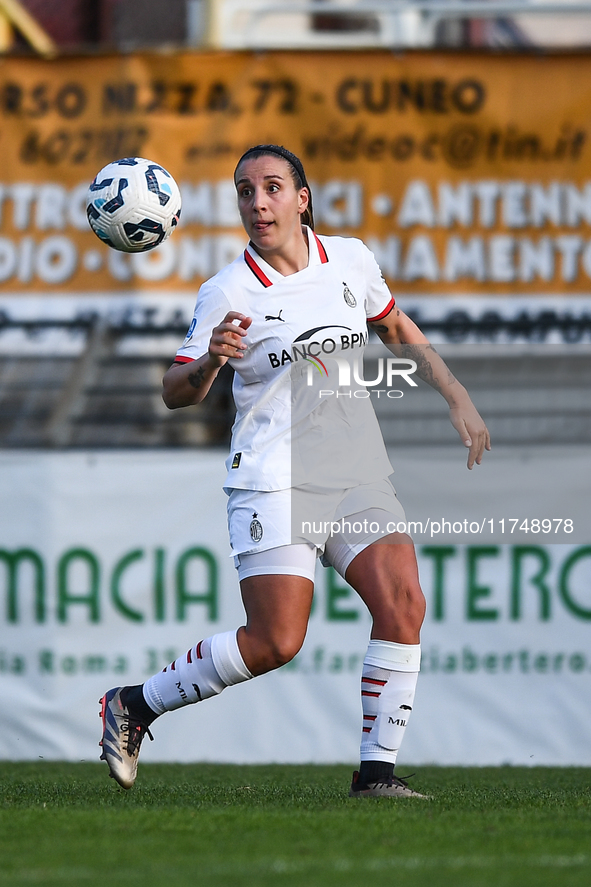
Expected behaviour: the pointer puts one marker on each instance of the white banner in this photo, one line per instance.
(112, 563)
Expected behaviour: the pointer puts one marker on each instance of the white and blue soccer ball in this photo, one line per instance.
(133, 204)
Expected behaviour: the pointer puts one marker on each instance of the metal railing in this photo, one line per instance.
(104, 396)
(235, 24)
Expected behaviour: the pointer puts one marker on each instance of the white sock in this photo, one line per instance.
(205, 670)
(388, 683)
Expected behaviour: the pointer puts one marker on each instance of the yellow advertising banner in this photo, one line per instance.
(465, 173)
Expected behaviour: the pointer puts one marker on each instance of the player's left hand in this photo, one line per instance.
(473, 432)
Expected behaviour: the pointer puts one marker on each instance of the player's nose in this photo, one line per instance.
(259, 199)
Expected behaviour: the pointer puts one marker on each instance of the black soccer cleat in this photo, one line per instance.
(391, 787)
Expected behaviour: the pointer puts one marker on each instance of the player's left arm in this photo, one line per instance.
(404, 338)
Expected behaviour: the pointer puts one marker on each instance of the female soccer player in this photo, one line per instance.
(293, 301)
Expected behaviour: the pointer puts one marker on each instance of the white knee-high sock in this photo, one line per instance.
(205, 670)
(388, 683)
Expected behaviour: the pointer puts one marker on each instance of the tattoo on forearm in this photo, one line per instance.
(420, 354)
(196, 379)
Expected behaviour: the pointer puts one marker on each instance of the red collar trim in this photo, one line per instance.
(321, 250)
(258, 272)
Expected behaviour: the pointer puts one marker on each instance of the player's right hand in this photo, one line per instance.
(226, 341)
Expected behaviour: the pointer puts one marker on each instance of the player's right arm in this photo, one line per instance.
(188, 383)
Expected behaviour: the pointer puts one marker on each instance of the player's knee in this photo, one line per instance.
(413, 612)
(275, 652)
(417, 605)
(284, 649)
(403, 610)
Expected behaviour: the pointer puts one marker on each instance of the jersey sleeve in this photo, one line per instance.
(211, 308)
(379, 301)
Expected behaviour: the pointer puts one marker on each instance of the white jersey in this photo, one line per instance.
(288, 433)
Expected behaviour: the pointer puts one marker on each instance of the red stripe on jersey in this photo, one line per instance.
(321, 364)
(173, 666)
(386, 310)
(367, 729)
(189, 657)
(181, 358)
(198, 650)
(373, 681)
(321, 250)
(369, 717)
(258, 273)
(368, 693)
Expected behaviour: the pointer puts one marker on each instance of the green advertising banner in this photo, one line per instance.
(112, 564)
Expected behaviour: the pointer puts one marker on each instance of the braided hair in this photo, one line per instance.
(295, 167)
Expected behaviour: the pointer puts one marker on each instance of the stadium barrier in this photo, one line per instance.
(113, 563)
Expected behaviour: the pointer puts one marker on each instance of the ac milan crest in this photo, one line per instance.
(349, 297)
(256, 528)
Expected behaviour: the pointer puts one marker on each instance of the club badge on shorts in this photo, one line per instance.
(349, 297)
(256, 528)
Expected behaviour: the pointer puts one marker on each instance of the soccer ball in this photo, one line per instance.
(133, 204)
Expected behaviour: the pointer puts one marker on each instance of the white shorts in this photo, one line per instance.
(341, 524)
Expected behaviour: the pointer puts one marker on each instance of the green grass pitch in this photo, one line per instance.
(291, 826)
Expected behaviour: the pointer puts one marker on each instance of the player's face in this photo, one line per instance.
(269, 203)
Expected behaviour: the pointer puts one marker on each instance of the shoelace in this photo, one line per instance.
(135, 733)
(402, 780)
(395, 780)
(398, 780)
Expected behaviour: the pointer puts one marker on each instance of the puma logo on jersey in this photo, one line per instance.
(272, 317)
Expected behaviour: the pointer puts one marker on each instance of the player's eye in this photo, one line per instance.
(245, 192)
(273, 188)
